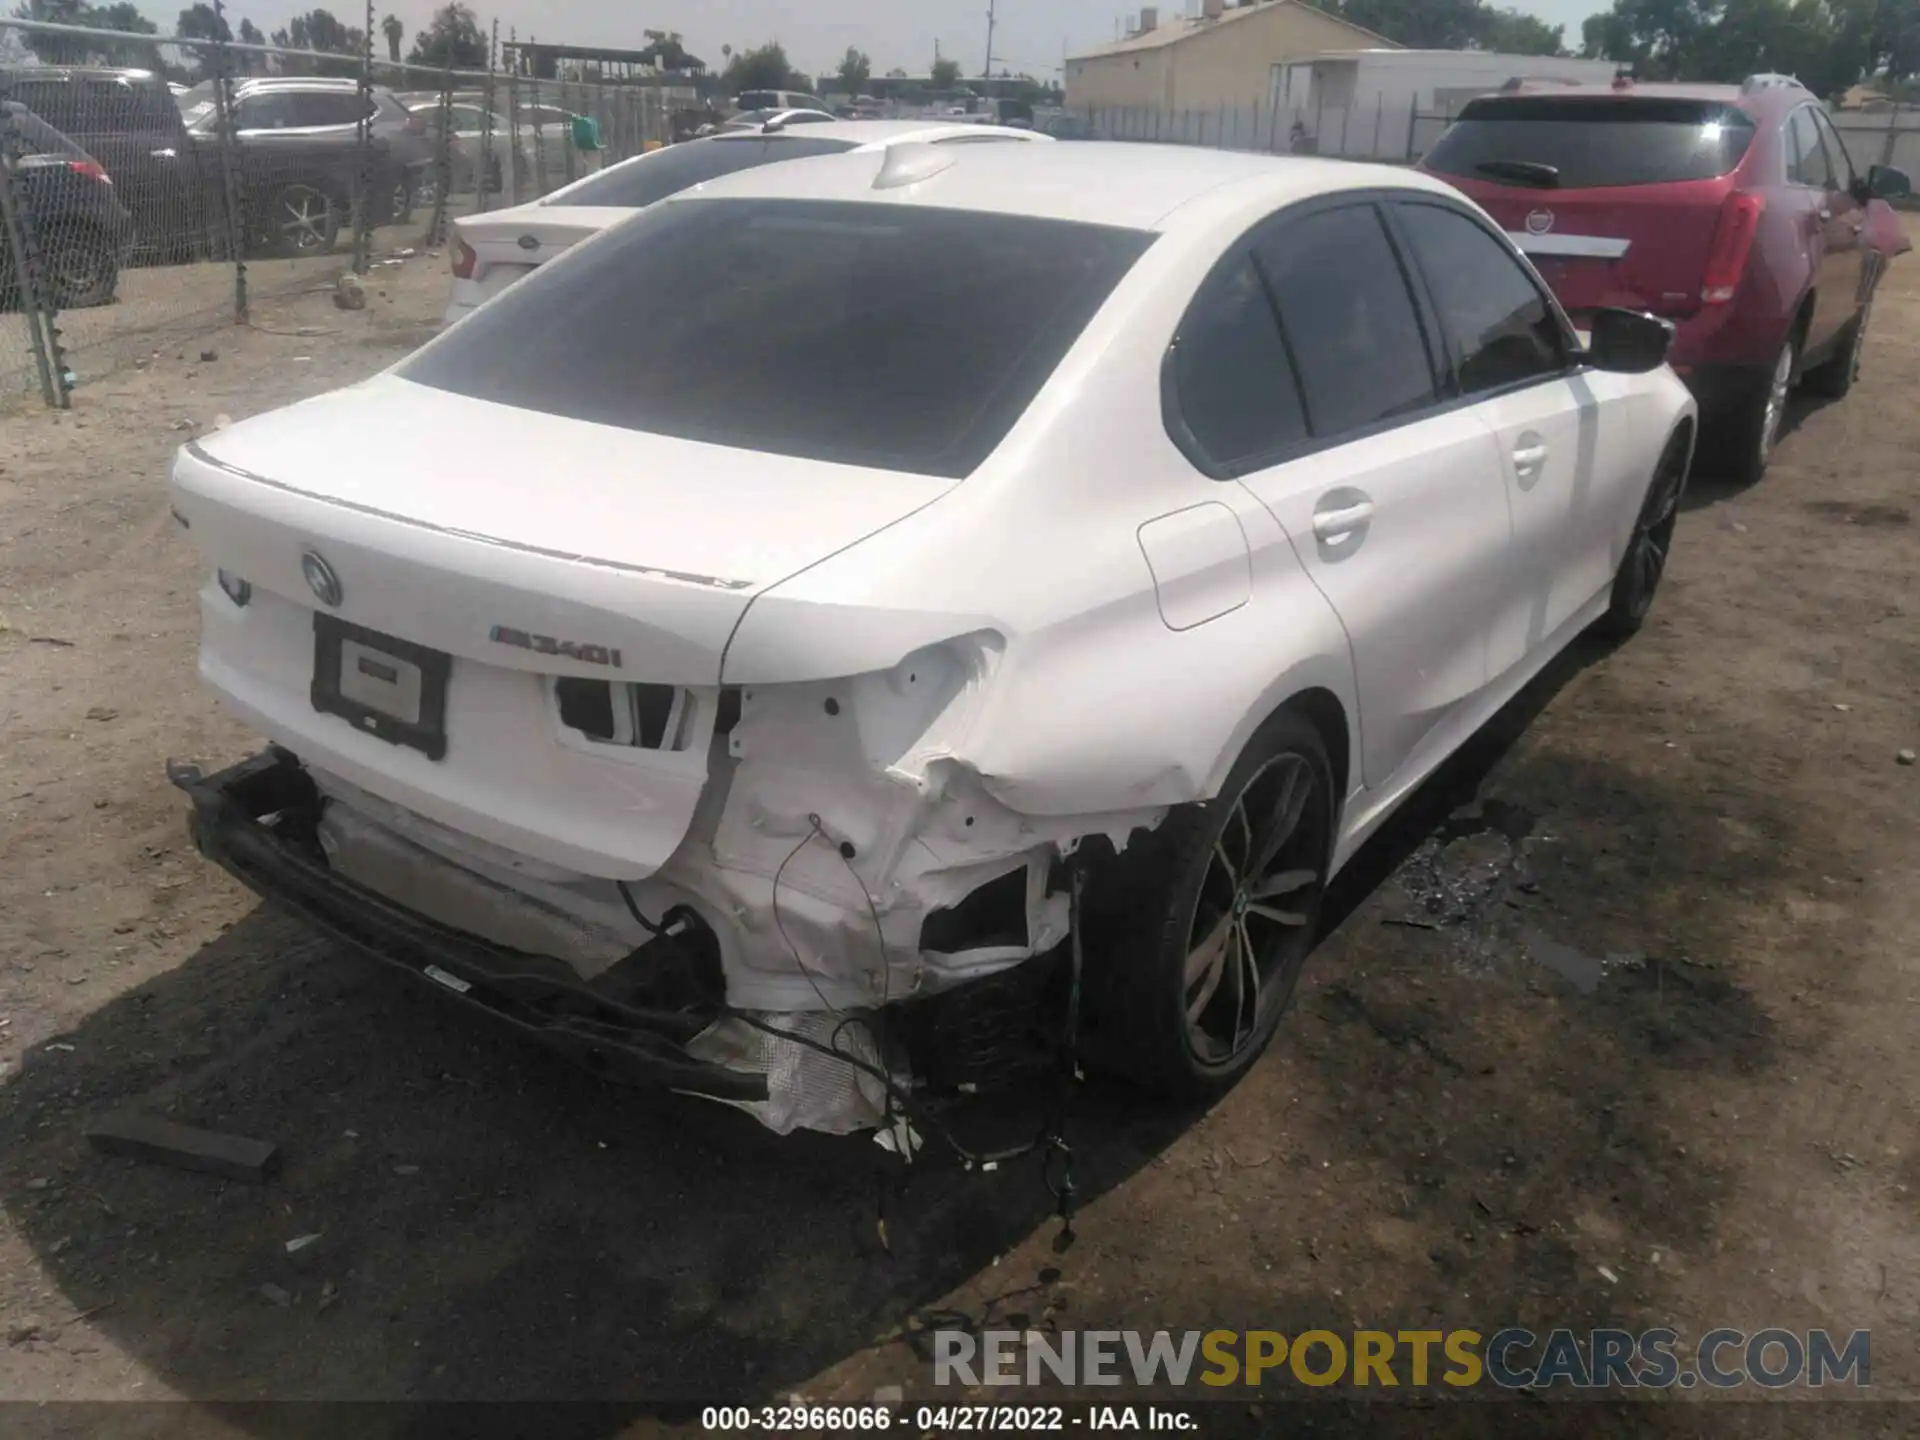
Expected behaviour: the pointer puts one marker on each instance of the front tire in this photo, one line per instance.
(1833, 378)
(1203, 926)
(1638, 577)
(304, 220)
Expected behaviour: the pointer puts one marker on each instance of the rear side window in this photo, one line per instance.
(675, 168)
(1499, 326)
(898, 337)
(1235, 386)
(1590, 142)
(1348, 319)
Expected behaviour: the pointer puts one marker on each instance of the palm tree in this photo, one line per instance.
(393, 30)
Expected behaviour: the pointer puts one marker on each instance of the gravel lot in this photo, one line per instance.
(1462, 1123)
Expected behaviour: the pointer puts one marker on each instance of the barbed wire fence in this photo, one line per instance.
(157, 187)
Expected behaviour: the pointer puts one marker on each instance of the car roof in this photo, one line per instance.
(876, 132)
(1140, 187)
(1741, 97)
(77, 72)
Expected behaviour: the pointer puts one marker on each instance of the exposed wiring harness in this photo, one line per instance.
(897, 1100)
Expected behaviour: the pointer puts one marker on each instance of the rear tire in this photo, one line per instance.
(1834, 377)
(1201, 927)
(1753, 431)
(83, 267)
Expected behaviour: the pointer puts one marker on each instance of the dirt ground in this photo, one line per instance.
(1617, 1026)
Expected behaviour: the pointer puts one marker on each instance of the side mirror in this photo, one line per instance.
(1883, 182)
(1628, 342)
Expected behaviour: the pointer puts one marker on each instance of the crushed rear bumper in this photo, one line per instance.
(256, 821)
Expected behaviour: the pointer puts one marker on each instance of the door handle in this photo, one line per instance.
(1823, 213)
(1331, 525)
(1528, 458)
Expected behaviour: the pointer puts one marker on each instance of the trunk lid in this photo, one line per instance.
(1615, 196)
(446, 603)
(531, 235)
(446, 517)
(1644, 248)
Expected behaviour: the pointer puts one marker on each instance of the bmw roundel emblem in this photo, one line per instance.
(1539, 222)
(321, 579)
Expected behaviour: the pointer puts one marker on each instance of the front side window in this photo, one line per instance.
(641, 181)
(1806, 160)
(1500, 329)
(1348, 318)
(895, 337)
(1843, 174)
(1235, 387)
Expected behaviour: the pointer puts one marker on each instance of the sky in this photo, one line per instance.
(1029, 35)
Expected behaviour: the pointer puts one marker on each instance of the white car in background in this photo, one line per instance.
(851, 598)
(490, 251)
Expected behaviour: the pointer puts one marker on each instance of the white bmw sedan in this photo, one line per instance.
(492, 250)
(810, 618)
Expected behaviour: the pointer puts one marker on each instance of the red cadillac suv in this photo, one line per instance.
(1734, 211)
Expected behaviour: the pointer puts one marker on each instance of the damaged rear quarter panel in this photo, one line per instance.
(1094, 707)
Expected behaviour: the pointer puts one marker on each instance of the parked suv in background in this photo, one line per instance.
(82, 227)
(128, 121)
(1733, 211)
(304, 132)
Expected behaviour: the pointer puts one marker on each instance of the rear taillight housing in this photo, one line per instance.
(463, 259)
(92, 169)
(1732, 243)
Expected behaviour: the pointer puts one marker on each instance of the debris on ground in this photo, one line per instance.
(143, 1137)
(1905, 757)
(302, 1242)
(278, 1294)
(348, 294)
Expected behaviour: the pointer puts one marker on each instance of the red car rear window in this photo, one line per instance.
(1590, 141)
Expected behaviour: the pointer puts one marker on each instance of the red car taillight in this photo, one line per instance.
(1732, 242)
(92, 169)
(463, 259)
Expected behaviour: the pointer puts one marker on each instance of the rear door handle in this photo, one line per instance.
(1529, 459)
(1332, 525)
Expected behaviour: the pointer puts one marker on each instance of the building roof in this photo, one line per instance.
(1173, 31)
(1139, 187)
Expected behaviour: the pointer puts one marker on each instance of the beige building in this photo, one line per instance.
(1218, 57)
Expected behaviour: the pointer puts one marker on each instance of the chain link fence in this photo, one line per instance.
(1394, 134)
(156, 187)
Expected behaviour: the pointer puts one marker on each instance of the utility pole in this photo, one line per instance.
(986, 71)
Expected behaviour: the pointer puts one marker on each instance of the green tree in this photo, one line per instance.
(1420, 24)
(855, 71)
(764, 67)
(1513, 32)
(945, 74)
(202, 22)
(453, 37)
(395, 32)
(74, 50)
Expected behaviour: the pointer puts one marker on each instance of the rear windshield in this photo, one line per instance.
(1581, 142)
(893, 336)
(674, 168)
